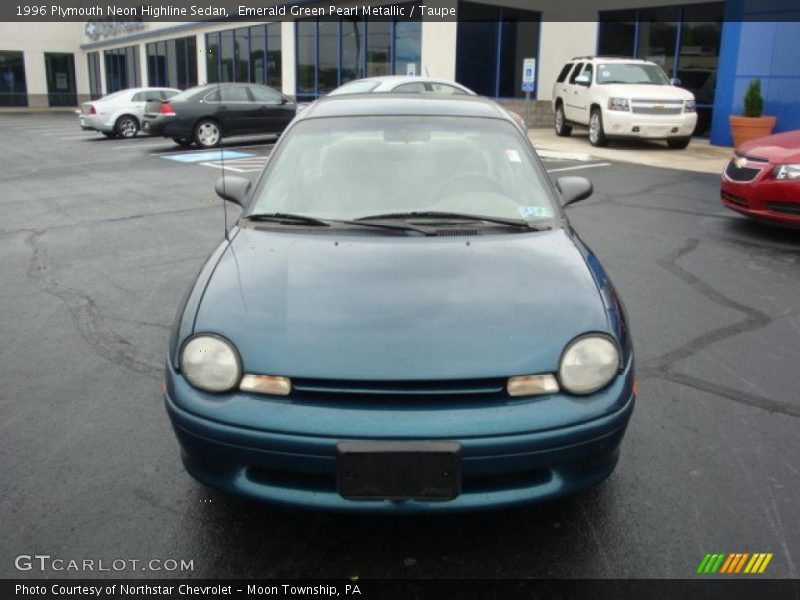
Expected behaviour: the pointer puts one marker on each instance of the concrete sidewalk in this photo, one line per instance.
(700, 156)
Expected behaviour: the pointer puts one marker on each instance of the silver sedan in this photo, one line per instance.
(120, 114)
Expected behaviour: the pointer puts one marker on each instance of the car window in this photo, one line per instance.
(575, 71)
(447, 89)
(355, 87)
(588, 71)
(265, 95)
(236, 93)
(147, 95)
(416, 87)
(352, 167)
(167, 94)
(631, 73)
(564, 72)
(212, 97)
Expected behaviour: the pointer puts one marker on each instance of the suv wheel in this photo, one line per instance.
(207, 134)
(678, 143)
(127, 126)
(597, 136)
(561, 127)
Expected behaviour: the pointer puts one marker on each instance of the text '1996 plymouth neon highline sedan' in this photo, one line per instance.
(401, 320)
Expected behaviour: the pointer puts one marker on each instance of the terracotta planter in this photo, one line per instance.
(745, 129)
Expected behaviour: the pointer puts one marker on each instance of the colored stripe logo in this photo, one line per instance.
(735, 563)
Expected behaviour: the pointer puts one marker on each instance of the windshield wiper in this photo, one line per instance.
(429, 214)
(291, 217)
(306, 220)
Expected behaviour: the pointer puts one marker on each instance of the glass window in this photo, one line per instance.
(617, 33)
(122, 68)
(328, 40)
(242, 52)
(212, 57)
(274, 56)
(563, 74)
(352, 49)
(258, 54)
(306, 58)
(658, 34)
(445, 89)
(519, 39)
(227, 56)
(265, 95)
(588, 72)
(578, 68)
(95, 83)
(60, 69)
(347, 168)
(379, 35)
(172, 63)
(416, 87)
(407, 47)
(247, 54)
(631, 72)
(235, 93)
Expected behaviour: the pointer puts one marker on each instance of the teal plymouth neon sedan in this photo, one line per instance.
(402, 320)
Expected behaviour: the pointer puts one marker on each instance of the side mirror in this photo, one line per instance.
(233, 189)
(676, 82)
(573, 189)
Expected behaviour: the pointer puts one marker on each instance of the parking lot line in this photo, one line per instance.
(579, 167)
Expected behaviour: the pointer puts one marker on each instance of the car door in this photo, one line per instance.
(581, 94)
(236, 111)
(274, 111)
(570, 93)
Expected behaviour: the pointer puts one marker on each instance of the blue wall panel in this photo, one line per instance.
(763, 49)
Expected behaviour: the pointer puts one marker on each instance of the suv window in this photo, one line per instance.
(588, 71)
(265, 95)
(564, 72)
(575, 72)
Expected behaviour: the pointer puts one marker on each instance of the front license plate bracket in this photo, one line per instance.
(398, 470)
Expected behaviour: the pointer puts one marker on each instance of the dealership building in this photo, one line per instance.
(714, 48)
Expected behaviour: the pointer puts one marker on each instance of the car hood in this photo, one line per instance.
(778, 148)
(401, 308)
(647, 92)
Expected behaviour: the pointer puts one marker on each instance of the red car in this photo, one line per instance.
(762, 179)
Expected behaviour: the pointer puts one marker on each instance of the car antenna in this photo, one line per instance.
(427, 74)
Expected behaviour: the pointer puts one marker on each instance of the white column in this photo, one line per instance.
(202, 59)
(142, 49)
(288, 57)
(102, 62)
(439, 49)
(35, 78)
(560, 42)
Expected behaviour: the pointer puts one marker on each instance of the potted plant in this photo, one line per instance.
(751, 124)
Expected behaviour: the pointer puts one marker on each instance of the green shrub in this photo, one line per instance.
(753, 102)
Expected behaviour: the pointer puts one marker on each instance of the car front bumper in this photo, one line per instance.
(764, 198)
(299, 469)
(628, 124)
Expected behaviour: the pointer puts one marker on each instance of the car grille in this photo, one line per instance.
(737, 200)
(657, 110)
(786, 208)
(746, 173)
(401, 391)
(645, 106)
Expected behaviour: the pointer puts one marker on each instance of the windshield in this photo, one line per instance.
(631, 73)
(355, 87)
(351, 168)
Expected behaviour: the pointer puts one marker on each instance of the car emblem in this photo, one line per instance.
(740, 162)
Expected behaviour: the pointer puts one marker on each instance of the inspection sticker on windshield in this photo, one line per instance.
(513, 155)
(537, 212)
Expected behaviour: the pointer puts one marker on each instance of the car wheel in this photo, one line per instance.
(127, 126)
(207, 133)
(678, 143)
(597, 136)
(561, 127)
(182, 142)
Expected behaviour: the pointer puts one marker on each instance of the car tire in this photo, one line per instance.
(207, 133)
(678, 143)
(560, 122)
(183, 142)
(127, 126)
(597, 135)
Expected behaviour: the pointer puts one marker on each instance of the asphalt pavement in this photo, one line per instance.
(100, 239)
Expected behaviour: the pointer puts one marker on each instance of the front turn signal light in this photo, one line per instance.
(266, 384)
(532, 385)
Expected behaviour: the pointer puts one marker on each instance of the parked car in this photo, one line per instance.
(405, 84)
(762, 179)
(120, 114)
(206, 114)
(622, 98)
(401, 320)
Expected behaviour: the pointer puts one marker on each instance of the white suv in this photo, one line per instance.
(622, 97)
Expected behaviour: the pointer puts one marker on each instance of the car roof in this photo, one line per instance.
(358, 105)
(398, 79)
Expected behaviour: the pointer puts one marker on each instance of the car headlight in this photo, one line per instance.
(211, 363)
(787, 172)
(589, 363)
(689, 106)
(618, 104)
